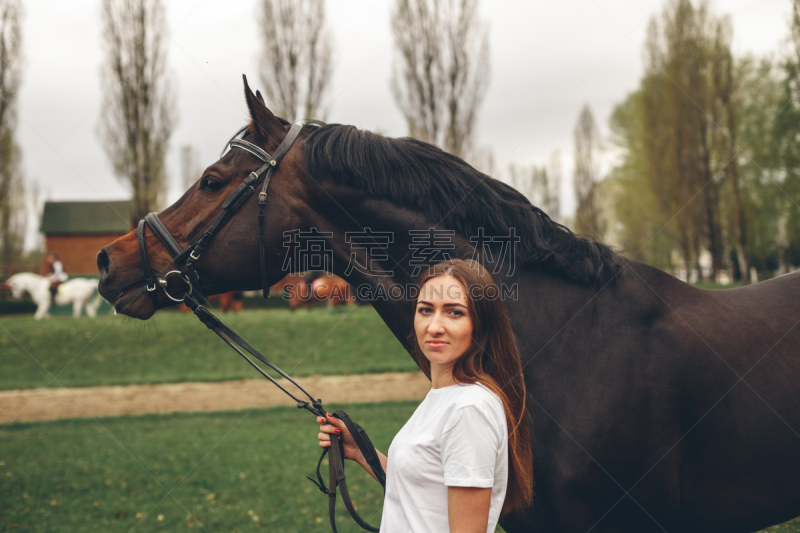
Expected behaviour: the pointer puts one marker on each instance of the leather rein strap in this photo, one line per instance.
(194, 298)
(336, 477)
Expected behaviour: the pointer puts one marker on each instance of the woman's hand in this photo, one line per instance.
(351, 451)
(334, 425)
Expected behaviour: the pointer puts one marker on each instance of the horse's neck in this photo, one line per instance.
(37, 286)
(534, 295)
(34, 280)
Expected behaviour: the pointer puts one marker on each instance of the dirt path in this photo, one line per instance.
(49, 404)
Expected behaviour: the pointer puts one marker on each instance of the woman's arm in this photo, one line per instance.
(468, 509)
(351, 451)
(383, 459)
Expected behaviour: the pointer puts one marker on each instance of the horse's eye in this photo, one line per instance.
(210, 184)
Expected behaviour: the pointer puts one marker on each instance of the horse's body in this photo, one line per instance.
(329, 289)
(655, 406)
(76, 291)
(332, 290)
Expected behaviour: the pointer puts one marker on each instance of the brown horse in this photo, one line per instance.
(332, 290)
(655, 406)
(300, 289)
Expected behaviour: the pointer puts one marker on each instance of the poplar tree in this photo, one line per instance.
(12, 192)
(587, 174)
(441, 71)
(138, 113)
(296, 59)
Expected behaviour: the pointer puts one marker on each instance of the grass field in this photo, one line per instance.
(232, 471)
(217, 472)
(223, 471)
(174, 347)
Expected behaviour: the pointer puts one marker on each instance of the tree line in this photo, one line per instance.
(709, 178)
(709, 174)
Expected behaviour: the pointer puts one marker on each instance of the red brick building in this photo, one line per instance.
(77, 230)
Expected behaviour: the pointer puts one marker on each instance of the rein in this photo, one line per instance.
(194, 299)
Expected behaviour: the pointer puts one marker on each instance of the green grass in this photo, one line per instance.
(174, 347)
(713, 286)
(225, 471)
(792, 526)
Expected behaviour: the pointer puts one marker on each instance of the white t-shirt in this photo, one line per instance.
(58, 272)
(457, 437)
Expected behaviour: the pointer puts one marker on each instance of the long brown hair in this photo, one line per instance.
(492, 359)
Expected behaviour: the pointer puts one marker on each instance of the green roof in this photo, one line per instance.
(68, 218)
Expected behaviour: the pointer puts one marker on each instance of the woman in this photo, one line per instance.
(464, 456)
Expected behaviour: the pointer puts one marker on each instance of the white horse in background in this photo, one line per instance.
(77, 291)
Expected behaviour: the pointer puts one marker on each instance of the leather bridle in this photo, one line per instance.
(194, 298)
(186, 258)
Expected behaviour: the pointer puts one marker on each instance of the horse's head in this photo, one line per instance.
(15, 283)
(231, 259)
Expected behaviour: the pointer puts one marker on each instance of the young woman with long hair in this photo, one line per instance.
(464, 456)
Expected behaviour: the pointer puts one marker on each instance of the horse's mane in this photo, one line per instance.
(421, 177)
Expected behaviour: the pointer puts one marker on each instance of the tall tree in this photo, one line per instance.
(680, 133)
(786, 133)
(190, 166)
(688, 131)
(686, 66)
(637, 205)
(555, 176)
(725, 108)
(296, 59)
(442, 69)
(586, 174)
(540, 184)
(138, 113)
(12, 198)
(759, 103)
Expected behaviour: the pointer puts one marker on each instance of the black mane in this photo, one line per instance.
(421, 177)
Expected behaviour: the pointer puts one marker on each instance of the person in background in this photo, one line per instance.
(57, 274)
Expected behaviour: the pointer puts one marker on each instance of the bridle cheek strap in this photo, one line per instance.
(150, 278)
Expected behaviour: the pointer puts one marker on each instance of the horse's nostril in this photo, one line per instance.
(102, 262)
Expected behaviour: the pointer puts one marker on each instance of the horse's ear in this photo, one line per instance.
(264, 124)
(261, 98)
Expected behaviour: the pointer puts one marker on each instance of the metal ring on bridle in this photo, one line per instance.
(163, 283)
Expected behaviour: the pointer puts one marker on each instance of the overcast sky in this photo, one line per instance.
(548, 58)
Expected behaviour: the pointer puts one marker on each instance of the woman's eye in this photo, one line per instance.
(458, 313)
(210, 184)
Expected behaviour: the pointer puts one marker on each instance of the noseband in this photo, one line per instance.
(186, 258)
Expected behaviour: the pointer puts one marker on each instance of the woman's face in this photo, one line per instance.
(442, 320)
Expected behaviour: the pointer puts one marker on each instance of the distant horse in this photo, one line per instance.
(332, 290)
(655, 406)
(228, 301)
(327, 288)
(76, 291)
